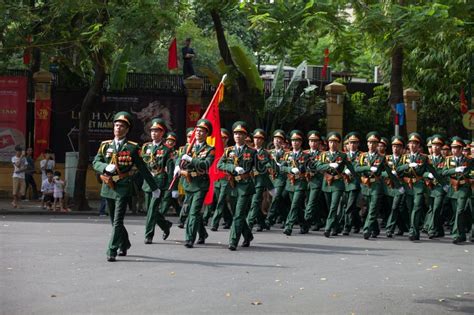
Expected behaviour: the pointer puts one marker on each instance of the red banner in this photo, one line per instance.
(193, 114)
(12, 115)
(173, 55)
(42, 122)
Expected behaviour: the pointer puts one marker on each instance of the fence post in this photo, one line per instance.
(335, 106)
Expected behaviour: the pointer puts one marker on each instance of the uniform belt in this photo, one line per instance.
(120, 176)
(369, 180)
(191, 173)
(242, 177)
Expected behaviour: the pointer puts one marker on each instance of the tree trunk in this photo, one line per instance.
(93, 94)
(396, 81)
(242, 93)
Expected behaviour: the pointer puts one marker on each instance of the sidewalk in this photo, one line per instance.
(34, 207)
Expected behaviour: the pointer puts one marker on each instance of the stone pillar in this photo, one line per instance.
(411, 98)
(193, 100)
(335, 106)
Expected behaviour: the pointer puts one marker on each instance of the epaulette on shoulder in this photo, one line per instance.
(132, 142)
(106, 142)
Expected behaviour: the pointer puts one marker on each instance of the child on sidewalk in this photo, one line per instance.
(47, 188)
(58, 193)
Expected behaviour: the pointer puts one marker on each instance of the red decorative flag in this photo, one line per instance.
(326, 63)
(173, 55)
(463, 101)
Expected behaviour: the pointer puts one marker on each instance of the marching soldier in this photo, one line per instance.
(221, 191)
(312, 212)
(458, 168)
(238, 161)
(183, 214)
(114, 160)
(170, 197)
(437, 189)
(261, 179)
(294, 165)
(370, 167)
(157, 156)
(396, 196)
(332, 163)
(194, 168)
(351, 217)
(413, 167)
(278, 178)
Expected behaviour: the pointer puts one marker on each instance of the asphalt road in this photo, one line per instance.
(57, 265)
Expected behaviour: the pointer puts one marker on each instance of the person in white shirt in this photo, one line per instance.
(47, 189)
(18, 178)
(58, 193)
(47, 163)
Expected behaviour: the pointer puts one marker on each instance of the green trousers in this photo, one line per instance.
(371, 224)
(395, 217)
(296, 211)
(255, 213)
(154, 216)
(119, 238)
(434, 223)
(415, 208)
(312, 210)
(332, 200)
(194, 224)
(222, 210)
(168, 201)
(239, 223)
(460, 218)
(351, 217)
(278, 206)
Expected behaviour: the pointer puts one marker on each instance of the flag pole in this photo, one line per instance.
(193, 139)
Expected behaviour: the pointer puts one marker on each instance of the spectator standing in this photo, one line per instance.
(30, 171)
(47, 163)
(47, 188)
(188, 56)
(18, 178)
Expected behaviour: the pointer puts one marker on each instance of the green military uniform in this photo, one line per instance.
(114, 160)
(370, 167)
(397, 215)
(412, 168)
(352, 189)
(437, 192)
(222, 192)
(156, 156)
(312, 212)
(239, 162)
(278, 205)
(183, 214)
(194, 169)
(170, 196)
(294, 165)
(262, 182)
(458, 168)
(332, 163)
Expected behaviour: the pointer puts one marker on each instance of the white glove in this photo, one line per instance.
(187, 158)
(430, 176)
(333, 165)
(373, 169)
(110, 168)
(272, 192)
(394, 172)
(413, 164)
(156, 193)
(446, 188)
(295, 170)
(459, 169)
(176, 170)
(174, 194)
(239, 170)
(347, 171)
(401, 190)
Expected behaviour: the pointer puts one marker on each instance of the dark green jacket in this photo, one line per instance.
(297, 160)
(245, 159)
(416, 174)
(198, 168)
(352, 182)
(323, 166)
(464, 189)
(435, 186)
(124, 158)
(262, 164)
(315, 177)
(157, 159)
(278, 178)
(375, 184)
(395, 181)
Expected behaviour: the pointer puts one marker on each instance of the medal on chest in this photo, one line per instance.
(124, 158)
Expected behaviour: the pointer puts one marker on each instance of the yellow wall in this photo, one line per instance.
(6, 170)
